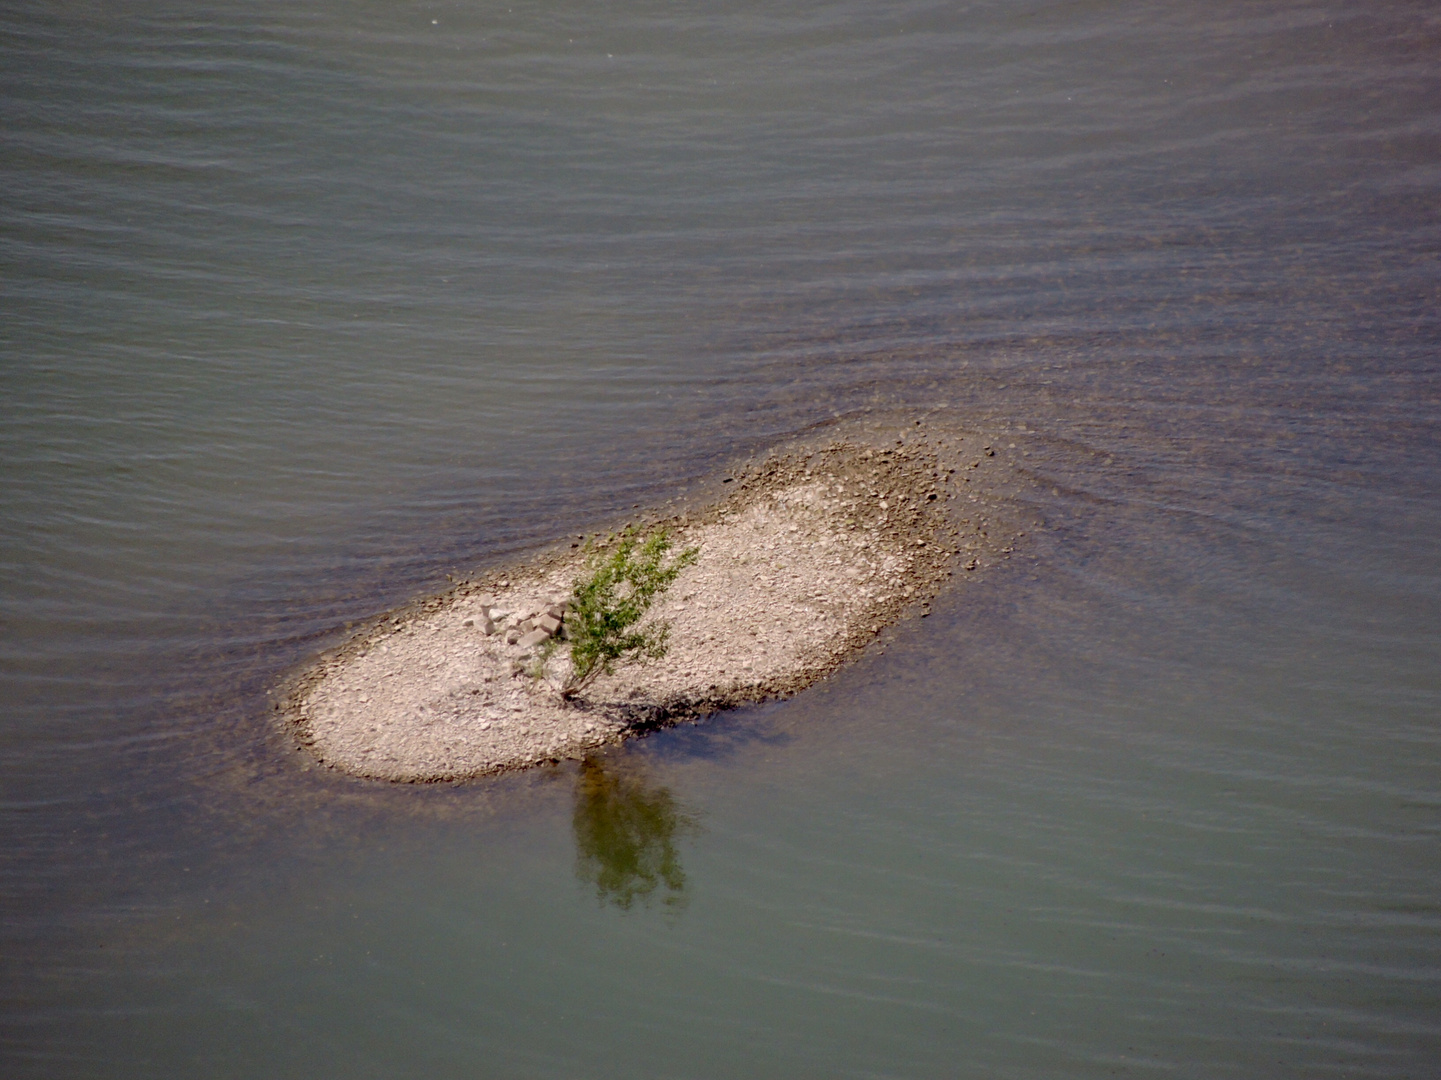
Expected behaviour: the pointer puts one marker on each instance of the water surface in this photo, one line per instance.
(306, 308)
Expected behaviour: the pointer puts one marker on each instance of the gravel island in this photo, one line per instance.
(807, 558)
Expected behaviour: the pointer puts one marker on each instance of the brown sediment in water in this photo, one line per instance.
(810, 555)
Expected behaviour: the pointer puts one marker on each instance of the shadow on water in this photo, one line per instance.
(626, 831)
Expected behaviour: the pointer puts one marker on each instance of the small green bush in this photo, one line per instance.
(614, 595)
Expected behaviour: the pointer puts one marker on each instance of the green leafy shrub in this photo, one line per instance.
(611, 599)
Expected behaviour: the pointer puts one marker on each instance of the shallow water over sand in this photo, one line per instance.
(305, 309)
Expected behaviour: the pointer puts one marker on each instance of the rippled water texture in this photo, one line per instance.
(307, 306)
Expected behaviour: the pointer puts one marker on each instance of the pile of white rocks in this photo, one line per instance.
(524, 628)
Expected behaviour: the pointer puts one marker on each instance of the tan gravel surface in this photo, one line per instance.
(808, 557)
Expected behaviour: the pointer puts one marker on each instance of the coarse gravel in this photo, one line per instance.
(810, 555)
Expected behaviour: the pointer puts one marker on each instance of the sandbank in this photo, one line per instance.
(804, 561)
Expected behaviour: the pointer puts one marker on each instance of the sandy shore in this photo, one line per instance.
(808, 557)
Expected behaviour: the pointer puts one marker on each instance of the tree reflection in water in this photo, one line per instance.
(625, 837)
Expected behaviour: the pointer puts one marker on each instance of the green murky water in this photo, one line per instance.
(305, 308)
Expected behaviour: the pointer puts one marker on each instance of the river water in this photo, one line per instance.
(306, 307)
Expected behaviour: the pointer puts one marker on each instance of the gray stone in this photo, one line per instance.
(512, 636)
(557, 610)
(535, 637)
(549, 623)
